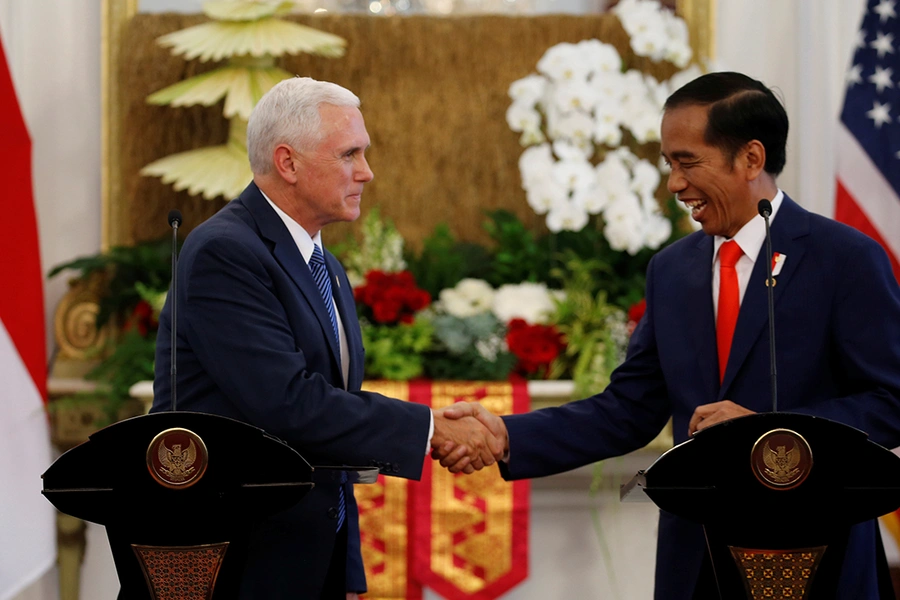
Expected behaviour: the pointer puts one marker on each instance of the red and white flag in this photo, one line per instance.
(27, 532)
(868, 166)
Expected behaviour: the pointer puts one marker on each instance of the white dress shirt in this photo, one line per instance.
(751, 238)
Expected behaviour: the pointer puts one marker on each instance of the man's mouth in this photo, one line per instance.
(696, 206)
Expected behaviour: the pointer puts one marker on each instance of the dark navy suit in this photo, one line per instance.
(255, 343)
(837, 318)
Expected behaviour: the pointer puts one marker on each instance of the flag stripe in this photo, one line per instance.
(28, 545)
(22, 311)
(868, 134)
(848, 211)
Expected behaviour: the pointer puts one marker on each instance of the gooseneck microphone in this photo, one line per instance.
(175, 221)
(765, 211)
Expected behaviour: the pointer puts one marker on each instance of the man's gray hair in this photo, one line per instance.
(289, 114)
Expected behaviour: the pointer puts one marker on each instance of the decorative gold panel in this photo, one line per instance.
(181, 573)
(777, 573)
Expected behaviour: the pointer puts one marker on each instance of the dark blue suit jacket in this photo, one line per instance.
(837, 318)
(255, 344)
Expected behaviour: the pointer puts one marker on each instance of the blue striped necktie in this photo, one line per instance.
(323, 282)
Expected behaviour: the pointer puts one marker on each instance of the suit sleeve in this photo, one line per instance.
(626, 416)
(865, 321)
(242, 336)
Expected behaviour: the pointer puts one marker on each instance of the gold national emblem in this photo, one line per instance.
(177, 458)
(781, 459)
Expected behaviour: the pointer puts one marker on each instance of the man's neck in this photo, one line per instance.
(280, 195)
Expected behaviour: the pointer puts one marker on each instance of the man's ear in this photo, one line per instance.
(285, 165)
(753, 159)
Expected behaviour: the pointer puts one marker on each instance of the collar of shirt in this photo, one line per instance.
(301, 236)
(751, 236)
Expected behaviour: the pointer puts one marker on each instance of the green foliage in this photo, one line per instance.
(381, 248)
(469, 348)
(395, 351)
(130, 361)
(595, 330)
(518, 256)
(148, 264)
(444, 261)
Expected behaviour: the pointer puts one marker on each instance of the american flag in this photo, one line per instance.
(868, 154)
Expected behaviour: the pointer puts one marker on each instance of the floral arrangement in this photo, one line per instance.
(586, 121)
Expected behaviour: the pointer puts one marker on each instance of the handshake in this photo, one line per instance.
(467, 437)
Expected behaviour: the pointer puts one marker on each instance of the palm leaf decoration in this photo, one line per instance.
(241, 87)
(250, 36)
(264, 37)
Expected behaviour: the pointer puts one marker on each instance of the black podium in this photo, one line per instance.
(179, 493)
(776, 494)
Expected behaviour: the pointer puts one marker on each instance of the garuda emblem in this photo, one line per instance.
(781, 464)
(177, 464)
(177, 458)
(781, 459)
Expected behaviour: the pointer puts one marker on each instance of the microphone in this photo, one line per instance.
(175, 221)
(765, 211)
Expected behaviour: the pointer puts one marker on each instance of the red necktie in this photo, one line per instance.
(729, 301)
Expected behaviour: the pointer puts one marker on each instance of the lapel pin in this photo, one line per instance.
(777, 263)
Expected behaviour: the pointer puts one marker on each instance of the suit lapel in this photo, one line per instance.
(791, 224)
(343, 296)
(699, 313)
(288, 256)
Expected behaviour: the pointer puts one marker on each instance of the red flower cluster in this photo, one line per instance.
(635, 314)
(142, 319)
(536, 346)
(391, 297)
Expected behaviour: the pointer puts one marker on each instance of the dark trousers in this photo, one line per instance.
(336, 579)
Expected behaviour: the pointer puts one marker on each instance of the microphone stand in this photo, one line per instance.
(174, 221)
(765, 211)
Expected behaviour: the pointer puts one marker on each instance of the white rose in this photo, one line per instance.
(470, 297)
(531, 302)
(535, 164)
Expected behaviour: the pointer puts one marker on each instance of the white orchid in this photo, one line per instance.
(567, 216)
(574, 115)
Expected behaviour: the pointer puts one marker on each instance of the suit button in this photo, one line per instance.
(396, 468)
(332, 513)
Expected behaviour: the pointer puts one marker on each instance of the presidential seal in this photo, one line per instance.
(781, 459)
(177, 458)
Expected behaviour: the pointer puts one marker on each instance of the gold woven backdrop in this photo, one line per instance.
(434, 96)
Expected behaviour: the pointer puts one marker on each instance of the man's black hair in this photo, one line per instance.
(741, 109)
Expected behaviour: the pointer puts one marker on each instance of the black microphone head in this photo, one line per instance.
(764, 207)
(175, 218)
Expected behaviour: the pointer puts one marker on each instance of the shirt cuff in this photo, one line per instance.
(430, 433)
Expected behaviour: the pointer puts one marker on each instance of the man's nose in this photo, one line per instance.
(365, 174)
(676, 182)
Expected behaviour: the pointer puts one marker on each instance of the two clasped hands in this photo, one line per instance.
(467, 437)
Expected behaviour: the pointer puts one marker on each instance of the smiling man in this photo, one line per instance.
(269, 336)
(700, 355)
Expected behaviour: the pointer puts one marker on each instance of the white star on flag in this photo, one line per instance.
(885, 10)
(854, 75)
(882, 78)
(861, 38)
(883, 44)
(880, 114)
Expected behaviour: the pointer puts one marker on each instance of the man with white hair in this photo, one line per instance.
(269, 336)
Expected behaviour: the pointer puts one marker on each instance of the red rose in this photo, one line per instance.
(635, 314)
(536, 346)
(386, 311)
